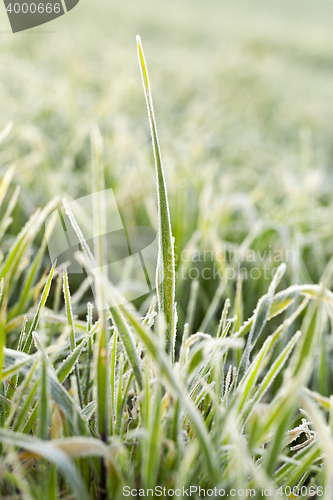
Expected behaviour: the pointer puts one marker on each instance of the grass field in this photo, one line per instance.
(223, 377)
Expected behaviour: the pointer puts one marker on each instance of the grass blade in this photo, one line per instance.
(50, 453)
(70, 319)
(260, 318)
(35, 321)
(165, 276)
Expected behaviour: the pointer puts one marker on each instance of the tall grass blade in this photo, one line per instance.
(124, 332)
(35, 321)
(165, 276)
(260, 318)
(167, 373)
(68, 365)
(44, 399)
(34, 268)
(70, 319)
(50, 453)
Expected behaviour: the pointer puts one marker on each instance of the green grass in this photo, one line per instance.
(212, 382)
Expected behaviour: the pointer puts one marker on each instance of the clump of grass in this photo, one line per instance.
(87, 408)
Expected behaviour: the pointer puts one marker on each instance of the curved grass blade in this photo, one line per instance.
(272, 373)
(19, 245)
(126, 336)
(275, 368)
(324, 434)
(87, 372)
(18, 397)
(128, 342)
(215, 303)
(49, 452)
(67, 404)
(7, 178)
(6, 218)
(192, 303)
(24, 239)
(34, 268)
(284, 299)
(43, 399)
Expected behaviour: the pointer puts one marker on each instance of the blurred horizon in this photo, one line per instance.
(243, 99)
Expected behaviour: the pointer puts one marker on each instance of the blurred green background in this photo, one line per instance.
(243, 98)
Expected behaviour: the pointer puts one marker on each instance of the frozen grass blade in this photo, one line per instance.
(247, 384)
(129, 342)
(192, 303)
(99, 211)
(324, 436)
(221, 331)
(22, 334)
(7, 178)
(165, 276)
(17, 249)
(149, 318)
(153, 442)
(101, 360)
(6, 218)
(194, 421)
(11, 265)
(275, 369)
(87, 372)
(125, 334)
(44, 399)
(215, 303)
(113, 380)
(101, 373)
(70, 319)
(34, 324)
(34, 268)
(17, 406)
(3, 307)
(276, 446)
(260, 318)
(167, 373)
(306, 349)
(50, 453)
(69, 363)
